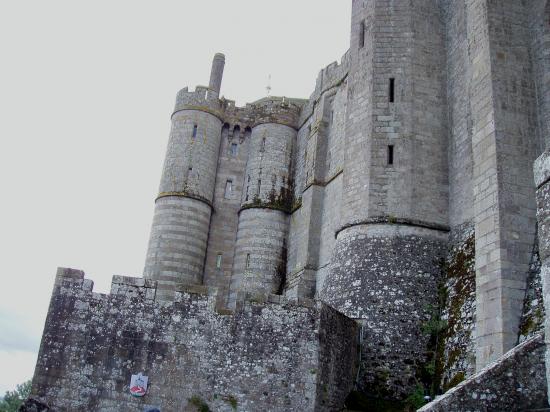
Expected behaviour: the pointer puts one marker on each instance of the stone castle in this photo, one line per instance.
(367, 248)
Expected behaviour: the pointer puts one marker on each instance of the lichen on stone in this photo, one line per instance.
(456, 357)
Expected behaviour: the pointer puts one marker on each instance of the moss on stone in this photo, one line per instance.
(532, 322)
(198, 403)
(231, 400)
(460, 285)
(455, 380)
(283, 201)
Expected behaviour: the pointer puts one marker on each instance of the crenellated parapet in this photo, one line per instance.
(296, 356)
(329, 78)
(202, 98)
(277, 110)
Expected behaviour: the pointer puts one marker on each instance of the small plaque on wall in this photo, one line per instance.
(138, 385)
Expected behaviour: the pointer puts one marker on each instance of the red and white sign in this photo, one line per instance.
(138, 385)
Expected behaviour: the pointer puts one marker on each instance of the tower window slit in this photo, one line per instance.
(195, 130)
(390, 154)
(219, 261)
(247, 260)
(392, 90)
(361, 34)
(228, 189)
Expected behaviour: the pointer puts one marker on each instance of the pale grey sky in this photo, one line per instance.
(86, 93)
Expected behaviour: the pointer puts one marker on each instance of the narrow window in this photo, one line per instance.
(392, 90)
(247, 260)
(219, 261)
(195, 130)
(228, 189)
(246, 200)
(262, 149)
(390, 154)
(234, 148)
(259, 186)
(361, 34)
(331, 117)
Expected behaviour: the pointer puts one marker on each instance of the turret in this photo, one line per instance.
(393, 222)
(260, 251)
(179, 234)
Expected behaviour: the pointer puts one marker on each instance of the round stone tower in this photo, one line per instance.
(385, 267)
(179, 234)
(260, 251)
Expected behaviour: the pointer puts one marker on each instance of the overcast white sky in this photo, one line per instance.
(86, 93)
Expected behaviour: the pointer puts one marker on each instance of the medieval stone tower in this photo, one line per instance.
(373, 243)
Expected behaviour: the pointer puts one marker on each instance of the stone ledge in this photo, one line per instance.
(483, 392)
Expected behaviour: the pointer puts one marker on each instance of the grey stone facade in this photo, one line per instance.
(401, 194)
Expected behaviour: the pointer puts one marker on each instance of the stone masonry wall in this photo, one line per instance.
(540, 55)
(459, 113)
(387, 276)
(516, 382)
(457, 355)
(542, 182)
(318, 166)
(265, 356)
(503, 143)
(225, 215)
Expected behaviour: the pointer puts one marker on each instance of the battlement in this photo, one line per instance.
(71, 281)
(328, 78)
(280, 110)
(271, 109)
(269, 354)
(202, 98)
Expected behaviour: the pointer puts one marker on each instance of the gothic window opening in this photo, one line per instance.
(392, 90)
(234, 149)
